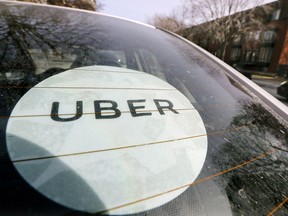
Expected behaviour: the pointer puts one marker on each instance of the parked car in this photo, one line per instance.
(100, 115)
(282, 90)
(245, 69)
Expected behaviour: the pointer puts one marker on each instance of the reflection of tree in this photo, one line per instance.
(24, 30)
(18, 36)
(256, 188)
(81, 4)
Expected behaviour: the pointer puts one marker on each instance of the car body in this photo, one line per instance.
(102, 115)
(282, 90)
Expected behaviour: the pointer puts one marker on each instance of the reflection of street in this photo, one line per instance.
(270, 85)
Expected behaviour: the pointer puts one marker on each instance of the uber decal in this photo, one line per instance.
(113, 107)
(106, 139)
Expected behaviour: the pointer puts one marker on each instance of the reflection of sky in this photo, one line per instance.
(141, 10)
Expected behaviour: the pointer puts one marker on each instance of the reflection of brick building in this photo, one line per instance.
(262, 51)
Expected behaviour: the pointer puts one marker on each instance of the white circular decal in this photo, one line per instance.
(106, 139)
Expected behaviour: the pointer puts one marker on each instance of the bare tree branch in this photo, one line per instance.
(174, 22)
(223, 20)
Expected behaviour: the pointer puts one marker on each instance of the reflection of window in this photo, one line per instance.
(250, 36)
(248, 55)
(150, 63)
(257, 35)
(269, 36)
(235, 54)
(254, 56)
(265, 54)
(251, 55)
(276, 14)
(237, 39)
(253, 35)
(60, 59)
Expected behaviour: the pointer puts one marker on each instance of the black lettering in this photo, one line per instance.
(161, 107)
(113, 107)
(133, 108)
(55, 112)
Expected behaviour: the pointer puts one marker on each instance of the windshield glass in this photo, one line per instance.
(245, 169)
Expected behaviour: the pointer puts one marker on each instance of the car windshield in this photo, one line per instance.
(245, 167)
